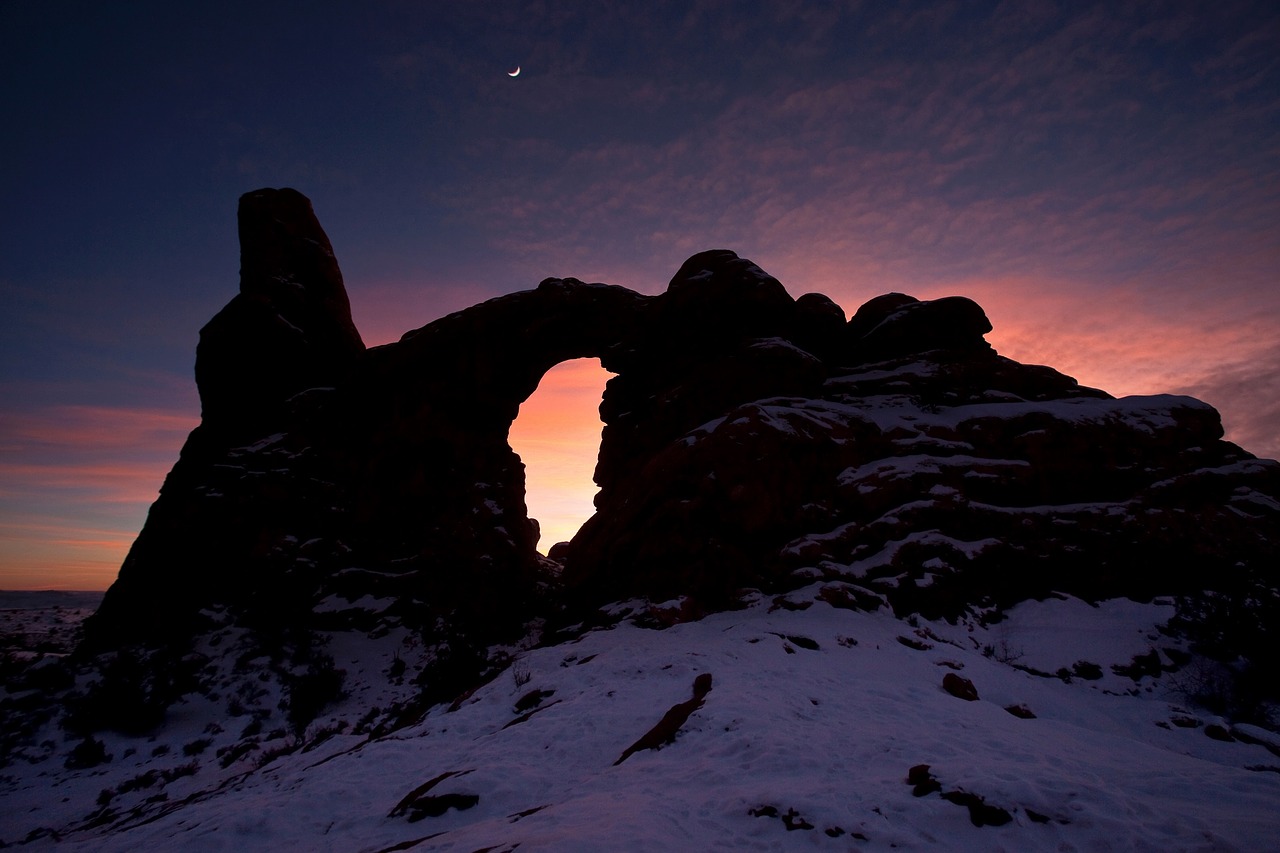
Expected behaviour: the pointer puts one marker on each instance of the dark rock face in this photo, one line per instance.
(289, 329)
(895, 324)
(959, 687)
(751, 441)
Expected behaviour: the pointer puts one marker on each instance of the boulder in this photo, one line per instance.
(959, 687)
(896, 324)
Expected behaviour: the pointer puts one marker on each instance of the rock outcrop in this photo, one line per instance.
(288, 330)
(751, 440)
(236, 496)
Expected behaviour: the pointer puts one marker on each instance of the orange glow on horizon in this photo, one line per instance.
(55, 553)
(62, 573)
(75, 484)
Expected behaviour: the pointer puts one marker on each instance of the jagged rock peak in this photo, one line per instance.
(286, 258)
(289, 328)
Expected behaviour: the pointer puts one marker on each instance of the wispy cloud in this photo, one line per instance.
(53, 531)
(1101, 178)
(1139, 346)
(1048, 140)
(1248, 392)
(75, 482)
(100, 427)
(63, 571)
(45, 552)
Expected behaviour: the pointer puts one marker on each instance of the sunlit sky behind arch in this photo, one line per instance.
(557, 436)
(1103, 178)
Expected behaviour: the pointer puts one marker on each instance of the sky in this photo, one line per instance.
(1103, 178)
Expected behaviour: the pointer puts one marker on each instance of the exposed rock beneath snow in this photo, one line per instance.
(959, 687)
(666, 729)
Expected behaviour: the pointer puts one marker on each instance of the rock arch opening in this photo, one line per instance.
(557, 437)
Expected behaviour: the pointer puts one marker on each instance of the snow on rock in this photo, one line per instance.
(806, 741)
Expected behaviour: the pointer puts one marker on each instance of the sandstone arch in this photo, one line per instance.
(322, 466)
(750, 440)
(557, 437)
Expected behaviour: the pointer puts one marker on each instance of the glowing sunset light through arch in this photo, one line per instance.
(557, 436)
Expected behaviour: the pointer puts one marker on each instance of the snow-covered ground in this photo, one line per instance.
(44, 621)
(814, 721)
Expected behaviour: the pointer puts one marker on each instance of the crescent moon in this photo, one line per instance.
(515, 73)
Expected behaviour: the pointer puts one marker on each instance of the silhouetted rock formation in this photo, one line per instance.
(751, 441)
(290, 327)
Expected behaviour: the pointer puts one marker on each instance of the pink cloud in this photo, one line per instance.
(1228, 359)
(117, 455)
(55, 531)
(97, 426)
(75, 482)
(1248, 394)
(61, 571)
(384, 310)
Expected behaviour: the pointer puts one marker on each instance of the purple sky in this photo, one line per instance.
(1104, 178)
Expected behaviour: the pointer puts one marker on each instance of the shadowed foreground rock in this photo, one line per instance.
(751, 440)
